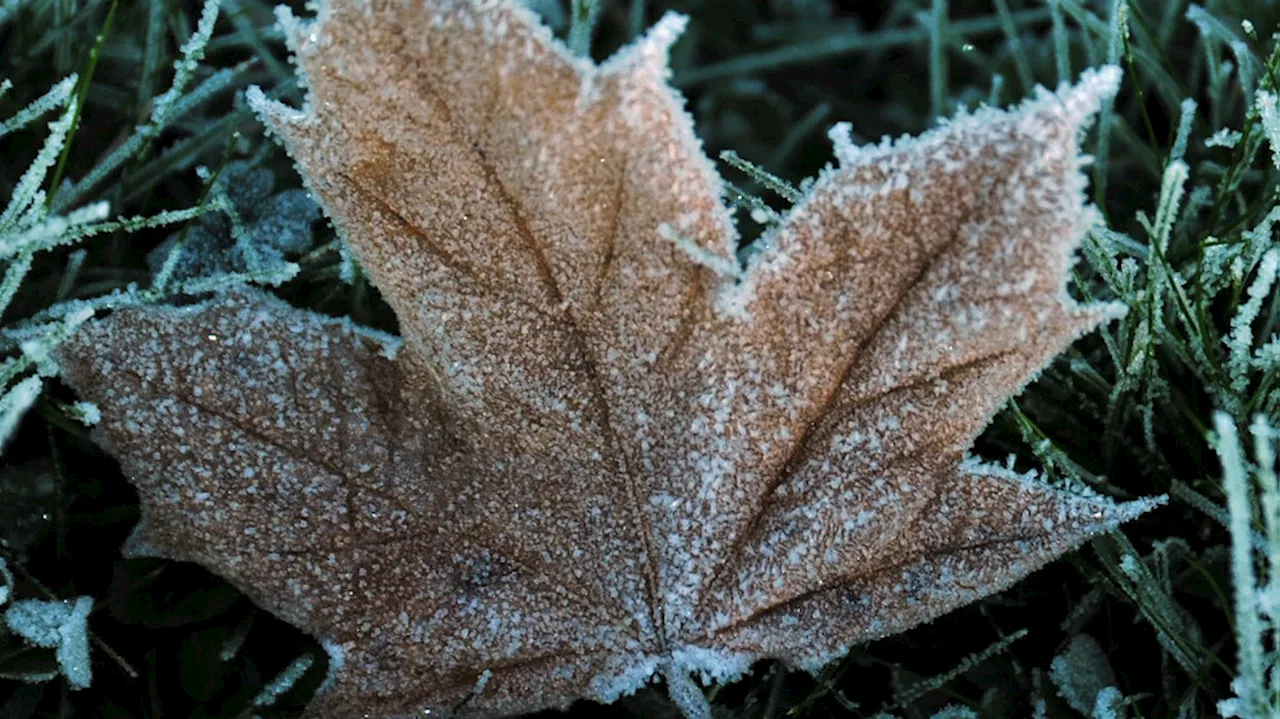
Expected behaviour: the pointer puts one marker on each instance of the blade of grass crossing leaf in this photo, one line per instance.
(283, 681)
(38, 348)
(763, 177)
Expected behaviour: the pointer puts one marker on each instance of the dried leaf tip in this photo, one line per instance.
(650, 51)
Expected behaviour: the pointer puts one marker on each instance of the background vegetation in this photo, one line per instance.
(1173, 617)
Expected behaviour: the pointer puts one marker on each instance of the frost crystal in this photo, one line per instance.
(58, 625)
(1082, 673)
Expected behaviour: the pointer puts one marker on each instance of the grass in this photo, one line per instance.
(1179, 397)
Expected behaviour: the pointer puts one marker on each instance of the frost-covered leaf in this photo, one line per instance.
(61, 626)
(255, 230)
(1081, 673)
(1110, 705)
(604, 450)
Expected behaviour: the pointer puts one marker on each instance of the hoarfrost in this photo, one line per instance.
(59, 625)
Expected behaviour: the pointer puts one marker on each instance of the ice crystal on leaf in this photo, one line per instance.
(58, 625)
(595, 458)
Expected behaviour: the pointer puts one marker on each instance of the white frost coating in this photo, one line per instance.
(389, 343)
(1110, 310)
(15, 404)
(481, 682)
(841, 136)
(337, 659)
(711, 665)
(1116, 514)
(529, 19)
(722, 266)
(734, 299)
(60, 625)
(137, 545)
(814, 662)
(610, 685)
(89, 413)
(650, 49)
(1266, 103)
(293, 28)
(284, 681)
(1224, 137)
(687, 695)
(273, 111)
(647, 58)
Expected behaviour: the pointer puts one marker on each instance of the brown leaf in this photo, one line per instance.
(604, 451)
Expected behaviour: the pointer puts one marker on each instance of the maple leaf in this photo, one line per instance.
(604, 451)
